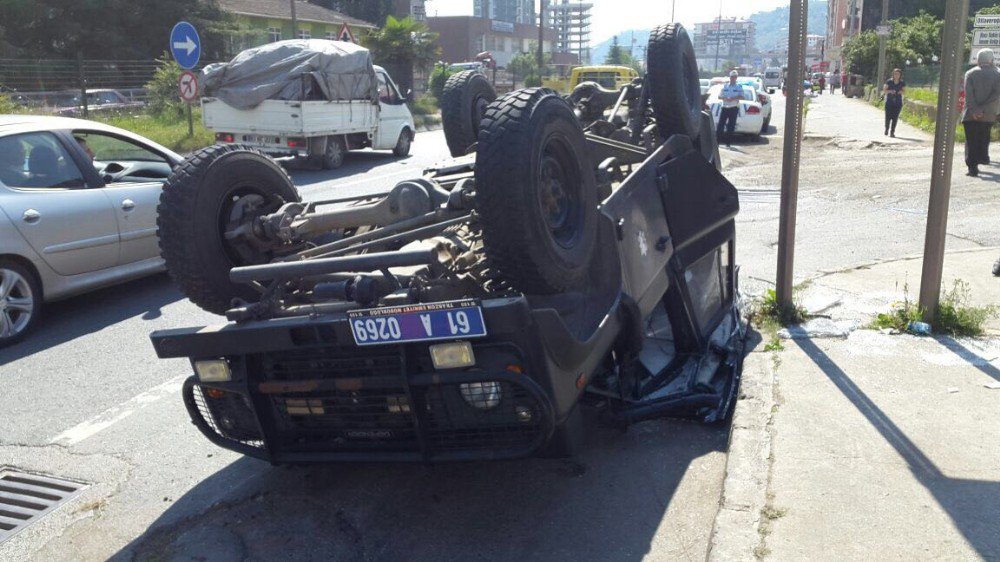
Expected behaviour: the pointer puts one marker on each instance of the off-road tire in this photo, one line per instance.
(463, 100)
(336, 150)
(189, 222)
(525, 136)
(403, 143)
(674, 89)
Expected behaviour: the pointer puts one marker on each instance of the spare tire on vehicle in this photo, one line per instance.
(214, 191)
(674, 88)
(463, 101)
(536, 194)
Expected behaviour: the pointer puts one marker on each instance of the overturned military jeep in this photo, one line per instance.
(471, 313)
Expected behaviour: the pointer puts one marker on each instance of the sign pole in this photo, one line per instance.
(880, 76)
(952, 47)
(190, 121)
(797, 27)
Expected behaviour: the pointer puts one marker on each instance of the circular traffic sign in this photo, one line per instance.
(188, 86)
(185, 45)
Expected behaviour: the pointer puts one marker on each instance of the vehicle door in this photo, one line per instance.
(68, 222)
(133, 176)
(393, 113)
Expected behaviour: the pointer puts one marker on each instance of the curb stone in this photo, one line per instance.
(744, 490)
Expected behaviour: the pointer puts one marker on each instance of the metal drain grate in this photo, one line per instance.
(25, 498)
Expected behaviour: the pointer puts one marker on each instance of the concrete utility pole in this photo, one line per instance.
(673, 7)
(882, 38)
(542, 4)
(952, 62)
(295, 23)
(798, 18)
(718, 37)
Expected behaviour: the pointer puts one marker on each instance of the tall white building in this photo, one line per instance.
(571, 20)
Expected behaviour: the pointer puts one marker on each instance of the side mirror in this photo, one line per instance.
(408, 96)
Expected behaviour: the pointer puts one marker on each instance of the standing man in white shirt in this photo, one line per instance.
(731, 95)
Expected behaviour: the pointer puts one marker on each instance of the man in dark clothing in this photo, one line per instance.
(982, 104)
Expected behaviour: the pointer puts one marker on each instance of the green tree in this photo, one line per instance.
(401, 45)
(911, 38)
(109, 29)
(616, 55)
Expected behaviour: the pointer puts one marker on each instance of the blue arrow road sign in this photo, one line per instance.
(185, 45)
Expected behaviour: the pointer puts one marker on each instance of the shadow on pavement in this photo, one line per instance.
(971, 504)
(66, 320)
(607, 504)
(970, 356)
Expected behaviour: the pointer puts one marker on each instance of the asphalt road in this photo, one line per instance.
(85, 398)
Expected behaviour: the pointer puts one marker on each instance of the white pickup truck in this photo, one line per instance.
(323, 129)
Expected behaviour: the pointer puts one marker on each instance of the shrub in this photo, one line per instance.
(7, 105)
(163, 99)
(438, 77)
(424, 105)
(532, 81)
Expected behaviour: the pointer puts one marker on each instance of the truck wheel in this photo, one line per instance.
(674, 88)
(535, 192)
(463, 102)
(402, 147)
(20, 301)
(333, 157)
(213, 191)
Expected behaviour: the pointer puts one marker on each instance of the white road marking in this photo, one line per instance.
(115, 414)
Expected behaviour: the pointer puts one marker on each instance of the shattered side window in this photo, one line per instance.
(705, 285)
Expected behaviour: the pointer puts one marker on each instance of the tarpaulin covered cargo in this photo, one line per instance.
(298, 69)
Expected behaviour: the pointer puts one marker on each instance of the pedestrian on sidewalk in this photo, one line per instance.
(893, 90)
(982, 104)
(731, 95)
(843, 81)
(834, 82)
(822, 83)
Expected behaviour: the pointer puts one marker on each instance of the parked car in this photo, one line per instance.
(70, 104)
(751, 117)
(763, 97)
(74, 216)
(705, 85)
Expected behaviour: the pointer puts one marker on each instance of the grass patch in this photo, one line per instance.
(955, 316)
(170, 131)
(767, 311)
(921, 121)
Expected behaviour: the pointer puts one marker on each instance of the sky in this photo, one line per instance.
(609, 17)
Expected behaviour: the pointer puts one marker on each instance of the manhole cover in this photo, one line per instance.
(26, 498)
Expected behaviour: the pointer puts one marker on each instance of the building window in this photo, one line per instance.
(273, 34)
(304, 34)
(331, 35)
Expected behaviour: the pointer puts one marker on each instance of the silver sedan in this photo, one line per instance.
(77, 211)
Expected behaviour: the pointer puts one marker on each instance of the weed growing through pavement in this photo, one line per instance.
(955, 317)
(768, 316)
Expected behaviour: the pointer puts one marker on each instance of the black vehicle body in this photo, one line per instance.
(388, 403)
(593, 235)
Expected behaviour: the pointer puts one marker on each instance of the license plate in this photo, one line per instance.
(258, 139)
(418, 322)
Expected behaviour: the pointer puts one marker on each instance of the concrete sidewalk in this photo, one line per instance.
(870, 446)
(836, 117)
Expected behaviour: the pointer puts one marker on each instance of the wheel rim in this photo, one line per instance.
(17, 303)
(558, 193)
(239, 209)
(404, 142)
(333, 151)
(478, 110)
